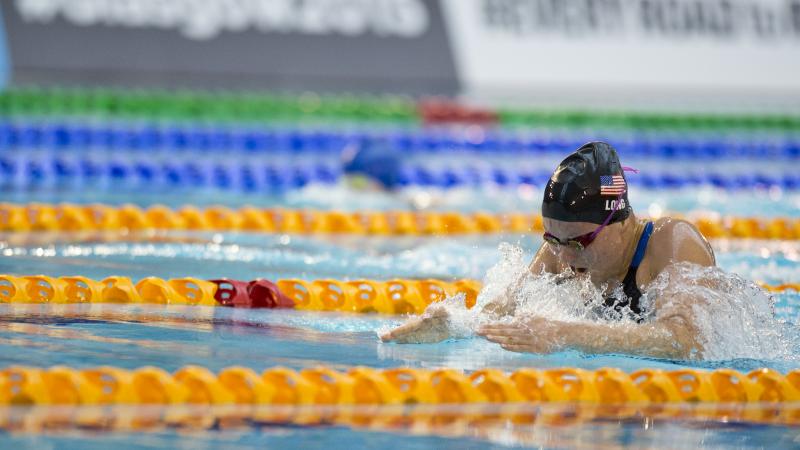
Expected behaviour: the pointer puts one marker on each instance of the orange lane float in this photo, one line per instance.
(69, 217)
(58, 385)
(442, 401)
(395, 296)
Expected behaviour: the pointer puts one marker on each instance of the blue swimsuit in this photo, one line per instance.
(632, 292)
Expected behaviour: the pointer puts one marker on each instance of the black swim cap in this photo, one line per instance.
(586, 186)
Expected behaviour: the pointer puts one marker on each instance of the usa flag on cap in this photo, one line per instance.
(612, 184)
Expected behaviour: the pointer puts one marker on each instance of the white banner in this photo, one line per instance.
(206, 19)
(644, 45)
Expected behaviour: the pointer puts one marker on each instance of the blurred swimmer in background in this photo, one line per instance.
(375, 166)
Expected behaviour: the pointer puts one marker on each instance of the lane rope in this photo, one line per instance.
(128, 217)
(395, 296)
(121, 138)
(106, 385)
(264, 106)
(20, 172)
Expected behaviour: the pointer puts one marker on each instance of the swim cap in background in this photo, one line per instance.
(586, 185)
(374, 159)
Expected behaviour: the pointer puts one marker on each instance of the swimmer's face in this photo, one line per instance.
(596, 257)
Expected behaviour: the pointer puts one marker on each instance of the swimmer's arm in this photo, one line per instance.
(502, 305)
(669, 338)
(672, 334)
(433, 324)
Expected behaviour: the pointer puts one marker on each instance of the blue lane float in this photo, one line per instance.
(25, 173)
(147, 138)
(21, 171)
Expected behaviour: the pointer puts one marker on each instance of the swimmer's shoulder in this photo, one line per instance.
(674, 240)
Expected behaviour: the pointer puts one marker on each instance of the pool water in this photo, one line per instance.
(171, 337)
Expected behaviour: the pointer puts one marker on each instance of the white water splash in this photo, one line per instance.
(733, 316)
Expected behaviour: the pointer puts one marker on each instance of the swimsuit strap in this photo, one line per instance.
(629, 287)
(642, 245)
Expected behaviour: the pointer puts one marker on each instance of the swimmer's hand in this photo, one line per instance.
(534, 335)
(430, 327)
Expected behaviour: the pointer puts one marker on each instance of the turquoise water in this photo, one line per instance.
(170, 337)
(217, 337)
(661, 435)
